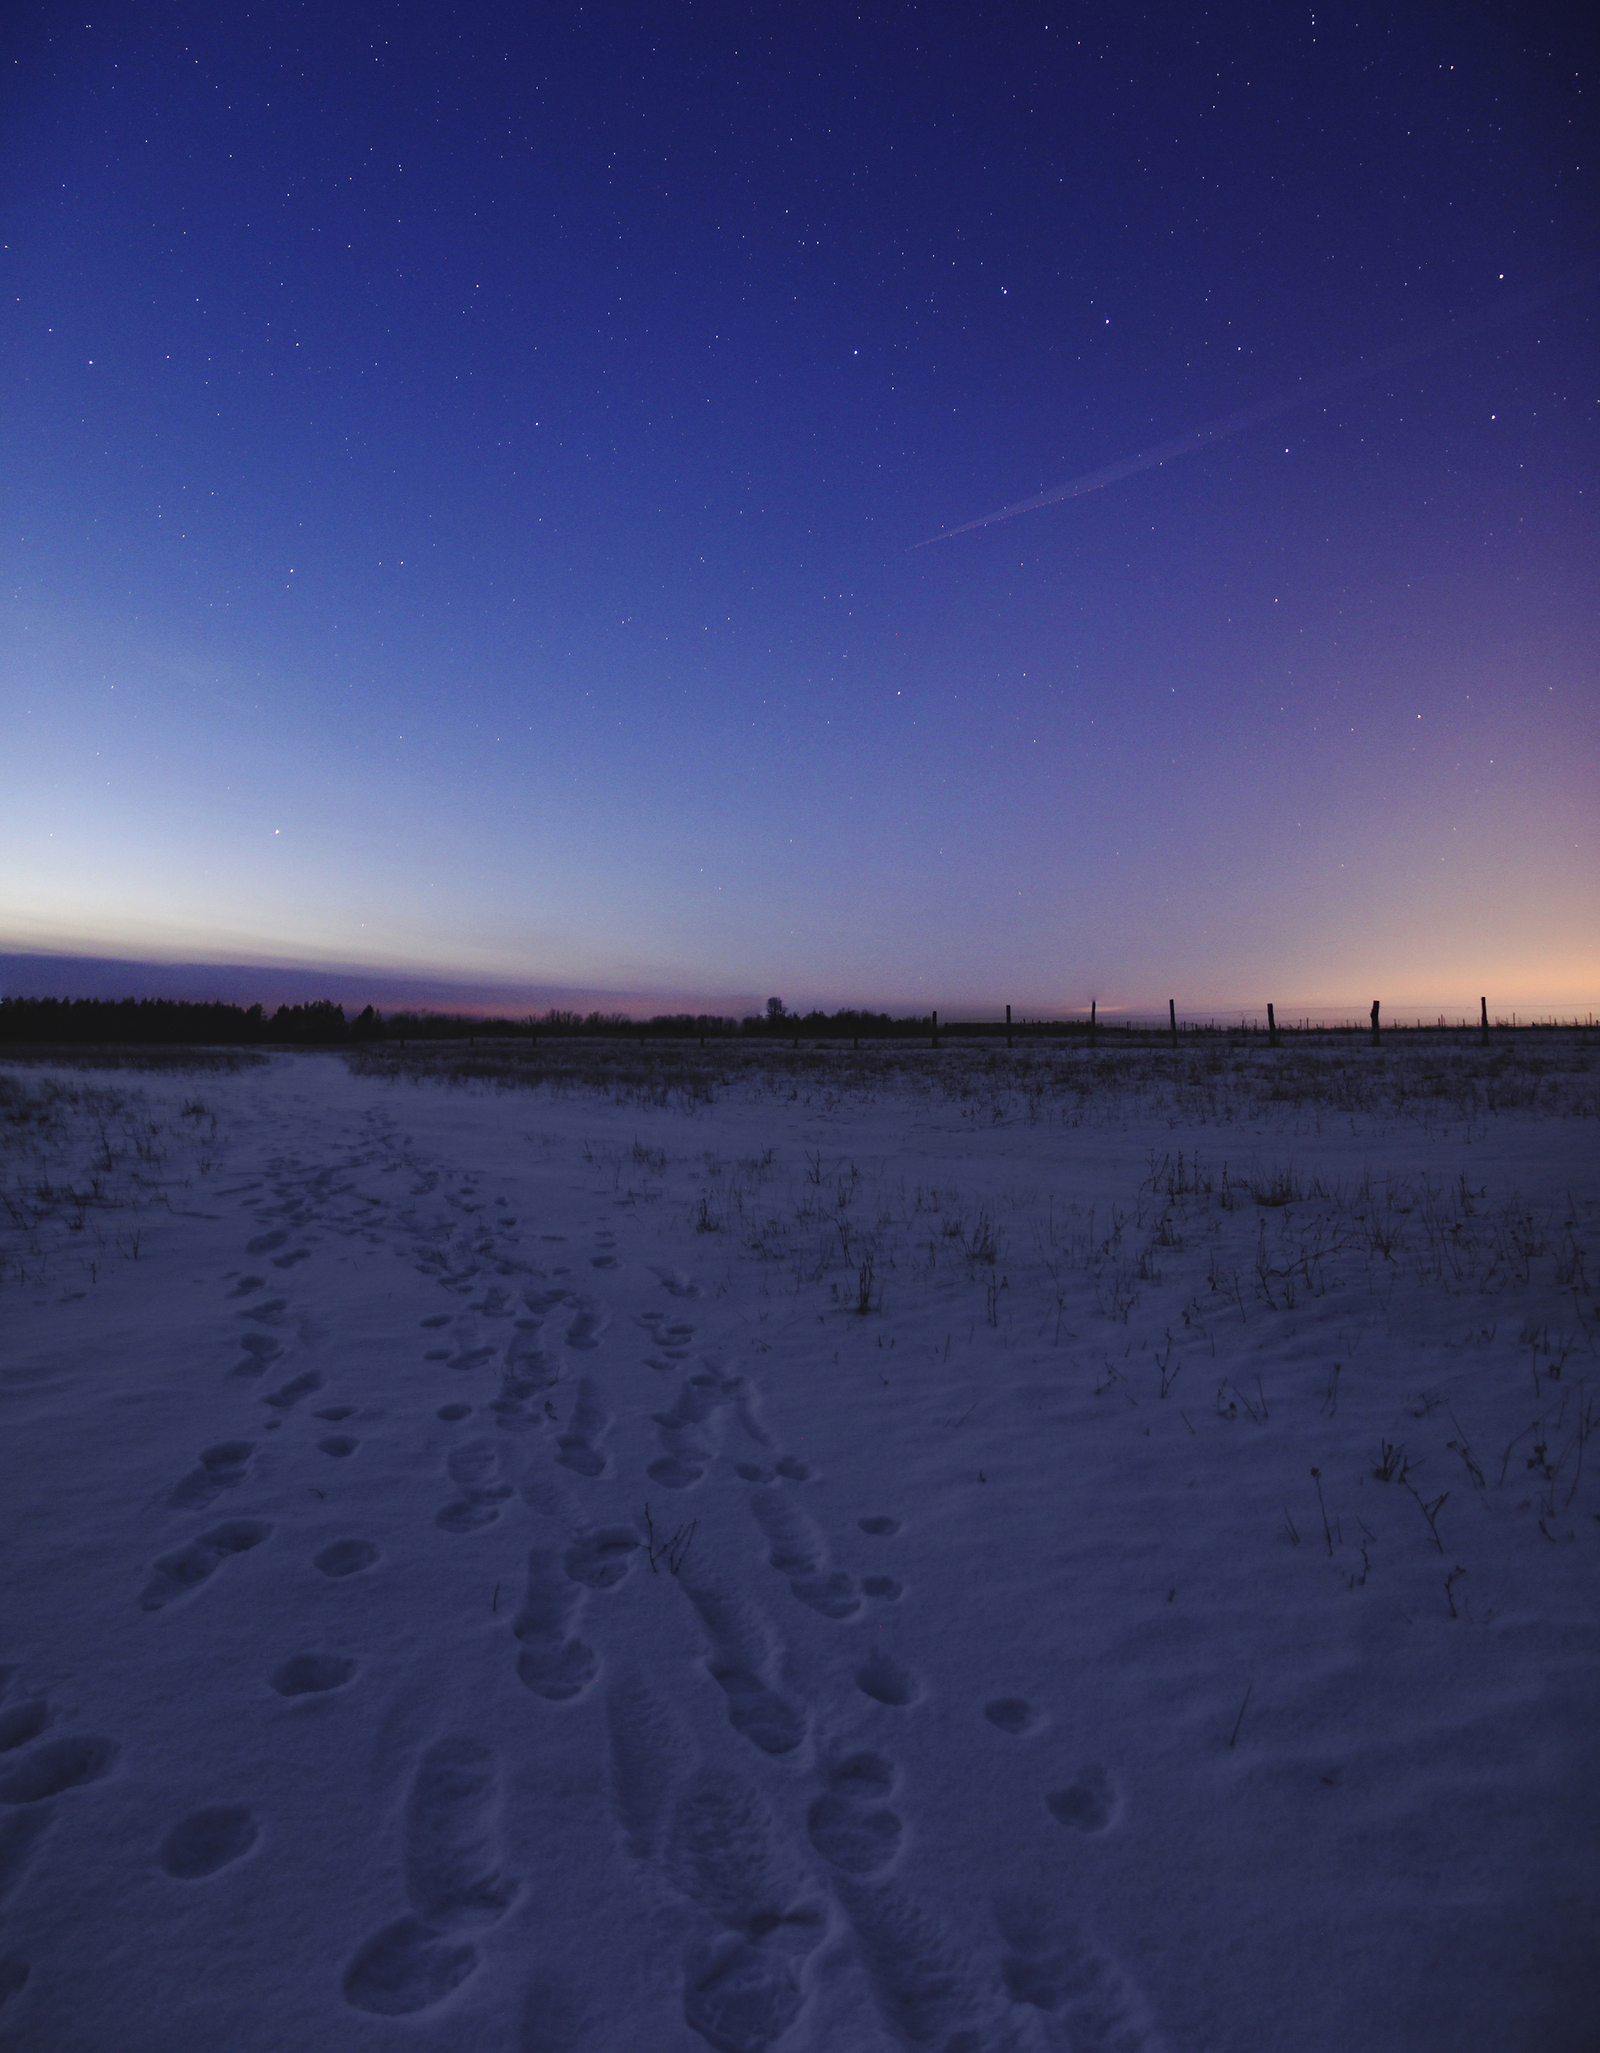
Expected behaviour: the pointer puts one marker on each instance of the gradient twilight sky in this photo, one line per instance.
(461, 468)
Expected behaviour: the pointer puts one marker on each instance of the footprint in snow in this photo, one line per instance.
(346, 1557)
(247, 1284)
(1088, 1803)
(887, 1681)
(739, 1660)
(179, 1575)
(675, 1281)
(689, 1432)
(264, 1243)
(207, 1841)
(879, 1527)
(58, 1765)
(338, 1445)
(606, 1258)
(474, 1468)
(20, 1723)
(297, 1387)
(451, 1413)
(219, 1468)
(1014, 1715)
(435, 1320)
(553, 1662)
(850, 1824)
(259, 1352)
(299, 1254)
(591, 1419)
(798, 1551)
(591, 1321)
(1057, 1969)
(742, 1986)
(309, 1675)
(600, 1559)
(335, 1412)
(269, 1312)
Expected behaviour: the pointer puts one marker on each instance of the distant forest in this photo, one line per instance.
(167, 1021)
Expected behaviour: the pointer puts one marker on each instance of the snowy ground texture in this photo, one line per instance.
(973, 1550)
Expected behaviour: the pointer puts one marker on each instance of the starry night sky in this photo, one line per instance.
(461, 474)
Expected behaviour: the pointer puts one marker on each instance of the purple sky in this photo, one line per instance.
(461, 479)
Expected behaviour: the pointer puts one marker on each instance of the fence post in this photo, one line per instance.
(1172, 1017)
(1008, 1026)
(1374, 1022)
(1484, 1003)
(1091, 1022)
(935, 1042)
(1272, 1027)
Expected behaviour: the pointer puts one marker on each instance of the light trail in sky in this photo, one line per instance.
(1303, 394)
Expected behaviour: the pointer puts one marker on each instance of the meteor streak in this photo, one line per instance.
(1280, 402)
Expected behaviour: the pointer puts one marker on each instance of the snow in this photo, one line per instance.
(914, 1551)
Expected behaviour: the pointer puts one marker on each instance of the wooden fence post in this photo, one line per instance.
(1172, 1017)
(1272, 1027)
(1374, 1022)
(1484, 1003)
(1091, 1022)
(935, 1042)
(1008, 1026)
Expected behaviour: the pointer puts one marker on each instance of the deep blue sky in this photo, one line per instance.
(460, 468)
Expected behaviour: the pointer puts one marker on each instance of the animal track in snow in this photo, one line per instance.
(220, 1468)
(178, 1575)
(1014, 1715)
(335, 1412)
(576, 1447)
(887, 1681)
(554, 1663)
(338, 1445)
(880, 1528)
(57, 1765)
(308, 1675)
(269, 1312)
(21, 1723)
(1088, 1803)
(450, 1413)
(886, 1588)
(435, 1320)
(346, 1557)
(798, 1551)
(208, 1840)
(298, 1254)
(475, 1470)
(297, 1387)
(247, 1284)
(264, 1243)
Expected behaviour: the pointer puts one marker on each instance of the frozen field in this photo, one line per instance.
(960, 1551)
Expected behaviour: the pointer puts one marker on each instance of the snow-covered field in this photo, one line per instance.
(973, 1550)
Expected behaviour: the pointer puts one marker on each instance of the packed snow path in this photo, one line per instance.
(841, 1570)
